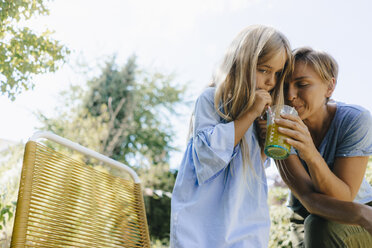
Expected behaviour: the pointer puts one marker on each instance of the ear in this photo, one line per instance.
(331, 87)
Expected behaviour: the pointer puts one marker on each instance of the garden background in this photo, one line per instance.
(121, 77)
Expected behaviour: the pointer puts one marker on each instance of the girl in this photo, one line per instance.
(220, 195)
(333, 141)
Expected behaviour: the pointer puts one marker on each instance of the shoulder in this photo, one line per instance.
(207, 96)
(352, 113)
(352, 117)
(208, 93)
(354, 131)
(351, 109)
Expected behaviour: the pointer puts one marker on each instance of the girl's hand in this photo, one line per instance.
(262, 99)
(261, 131)
(241, 125)
(298, 135)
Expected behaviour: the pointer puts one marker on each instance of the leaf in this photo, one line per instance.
(23, 53)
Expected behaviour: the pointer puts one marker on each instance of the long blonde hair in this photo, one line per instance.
(235, 79)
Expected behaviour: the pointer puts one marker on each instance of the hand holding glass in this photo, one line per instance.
(275, 145)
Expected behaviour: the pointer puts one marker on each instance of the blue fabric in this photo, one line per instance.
(215, 202)
(349, 135)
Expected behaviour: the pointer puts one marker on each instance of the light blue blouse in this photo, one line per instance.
(215, 201)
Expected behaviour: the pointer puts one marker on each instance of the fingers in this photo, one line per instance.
(287, 124)
(261, 123)
(261, 127)
(264, 98)
(292, 122)
(294, 134)
(264, 95)
(297, 134)
(291, 117)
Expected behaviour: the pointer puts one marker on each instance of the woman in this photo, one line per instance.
(332, 143)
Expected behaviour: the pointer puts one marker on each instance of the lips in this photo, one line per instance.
(297, 107)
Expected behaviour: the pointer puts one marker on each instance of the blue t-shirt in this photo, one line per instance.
(215, 201)
(349, 135)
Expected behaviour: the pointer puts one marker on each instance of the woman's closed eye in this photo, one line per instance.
(264, 71)
(302, 84)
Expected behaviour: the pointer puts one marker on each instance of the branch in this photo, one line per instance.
(123, 125)
(113, 115)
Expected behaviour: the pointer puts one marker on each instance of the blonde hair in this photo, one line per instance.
(235, 79)
(323, 63)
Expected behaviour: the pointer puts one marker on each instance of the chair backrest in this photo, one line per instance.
(63, 202)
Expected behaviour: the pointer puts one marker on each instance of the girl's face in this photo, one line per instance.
(306, 91)
(267, 74)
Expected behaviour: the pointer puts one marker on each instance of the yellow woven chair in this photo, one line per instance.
(63, 202)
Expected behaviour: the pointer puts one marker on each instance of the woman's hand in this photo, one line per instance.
(298, 135)
(343, 181)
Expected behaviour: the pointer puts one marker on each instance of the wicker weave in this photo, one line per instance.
(65, 203)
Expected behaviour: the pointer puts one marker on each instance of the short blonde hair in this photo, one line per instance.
(323, 63)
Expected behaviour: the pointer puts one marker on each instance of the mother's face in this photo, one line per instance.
(306, 91)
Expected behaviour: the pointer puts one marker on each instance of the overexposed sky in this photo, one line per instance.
(188, 38)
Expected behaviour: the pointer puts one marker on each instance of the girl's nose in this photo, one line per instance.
(270, 82)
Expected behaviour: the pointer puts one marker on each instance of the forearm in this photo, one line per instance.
(242, 124)
(325, 181)
(299, 182)
(339, 211)
(331, 208)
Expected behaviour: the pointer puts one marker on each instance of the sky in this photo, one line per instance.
(188, 38)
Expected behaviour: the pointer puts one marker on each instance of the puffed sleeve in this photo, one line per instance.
(213, 140)
(357, 139)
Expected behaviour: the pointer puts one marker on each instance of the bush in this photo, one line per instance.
(369, 172)
(158, 209)
(279, 215)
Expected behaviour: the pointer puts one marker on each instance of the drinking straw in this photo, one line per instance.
(269, 109)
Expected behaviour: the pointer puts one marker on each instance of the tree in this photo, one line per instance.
(10, 170)
(124, 114)
(138, 106)
(24, 53)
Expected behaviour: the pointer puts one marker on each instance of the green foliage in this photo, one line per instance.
(158, 206)
(159, 243)
(278, 195)
(280, 227)
(10, 170)
(6, 214)
(124, 113)
(23, 53)
(158, 177)
(279, 215)
(369, 172)
(139, 105)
